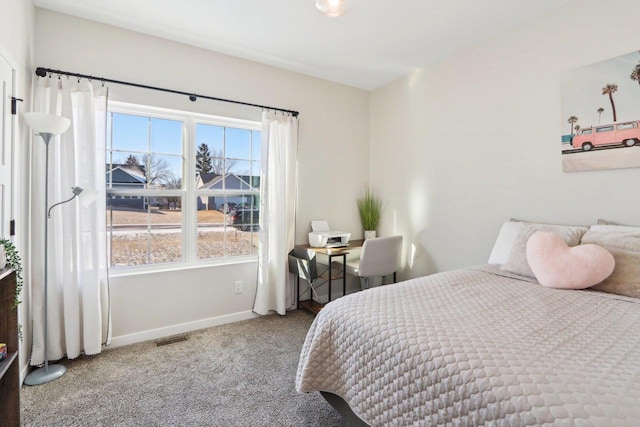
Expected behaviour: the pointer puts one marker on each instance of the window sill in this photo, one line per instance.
(134, 271)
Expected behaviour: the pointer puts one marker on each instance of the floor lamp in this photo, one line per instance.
(47, 126)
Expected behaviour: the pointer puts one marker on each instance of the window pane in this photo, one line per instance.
(166, 136)
(212, 136)
(239, 167)
(211, 227)
(165, 243)
(245, 215)
(219, 166)
(256, 144)
(255, 172)
(125, 170)
(221, 234)
(129, 132)
(246, 221)
(238, 143)
(142, 232)
(163, 171)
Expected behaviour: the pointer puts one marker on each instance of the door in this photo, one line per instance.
(6, 131)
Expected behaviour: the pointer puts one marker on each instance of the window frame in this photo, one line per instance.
(188, 193)
(603, 129)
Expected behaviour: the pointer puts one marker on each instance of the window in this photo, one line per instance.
(604, 129)
(228, 166)
(623, 126)
(181, 187)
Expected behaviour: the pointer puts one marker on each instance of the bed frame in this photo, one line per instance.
(343, 409)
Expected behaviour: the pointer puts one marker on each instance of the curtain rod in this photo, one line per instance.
(42, 72)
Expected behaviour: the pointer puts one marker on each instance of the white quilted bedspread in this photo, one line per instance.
(469, 347)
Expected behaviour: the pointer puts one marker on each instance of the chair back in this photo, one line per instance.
(302, 263)
(380, 256)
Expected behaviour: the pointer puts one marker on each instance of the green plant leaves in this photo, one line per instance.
(13, 259)
(370, 209)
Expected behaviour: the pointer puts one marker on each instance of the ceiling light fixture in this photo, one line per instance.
(332, 8)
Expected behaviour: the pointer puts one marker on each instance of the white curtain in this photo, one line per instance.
(78, 301)
(278, 186)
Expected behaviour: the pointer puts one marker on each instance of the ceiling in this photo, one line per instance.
(377, 42)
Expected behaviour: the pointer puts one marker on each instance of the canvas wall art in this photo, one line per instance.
(601, 115)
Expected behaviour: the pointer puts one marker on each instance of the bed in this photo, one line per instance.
(477, 346)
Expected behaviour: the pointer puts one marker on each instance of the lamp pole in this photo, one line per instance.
(46, 373)
(47, 126)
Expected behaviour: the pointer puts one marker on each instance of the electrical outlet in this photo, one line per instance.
(238, 287)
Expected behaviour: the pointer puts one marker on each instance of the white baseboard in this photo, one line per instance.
(181, 328)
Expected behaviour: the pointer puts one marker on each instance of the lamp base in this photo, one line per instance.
(45, 374)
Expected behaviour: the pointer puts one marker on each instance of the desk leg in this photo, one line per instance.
(344, 275)
(330, 276)
(298, 294)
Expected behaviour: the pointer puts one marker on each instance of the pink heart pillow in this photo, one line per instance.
(557, 265)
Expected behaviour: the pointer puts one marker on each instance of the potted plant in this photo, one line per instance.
(9, 257)
(370, 208)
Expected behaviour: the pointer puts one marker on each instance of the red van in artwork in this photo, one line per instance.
(627, 133)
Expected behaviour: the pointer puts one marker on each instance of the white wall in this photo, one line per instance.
(333, 136)
(460, 147)
(16, 45)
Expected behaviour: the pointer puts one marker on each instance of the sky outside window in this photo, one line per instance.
(130, 132)
(166, 136)
(238, 145)
(213, 136)
(138, 135)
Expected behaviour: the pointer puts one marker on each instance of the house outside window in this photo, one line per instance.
(182, 188)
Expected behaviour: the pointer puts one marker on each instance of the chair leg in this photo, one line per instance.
(394, 277)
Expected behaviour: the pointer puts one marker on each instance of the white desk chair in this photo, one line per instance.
(380, 257)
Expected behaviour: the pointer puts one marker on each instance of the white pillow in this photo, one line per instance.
(506, 238)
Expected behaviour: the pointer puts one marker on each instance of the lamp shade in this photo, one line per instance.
(47, 123)
(332, 8)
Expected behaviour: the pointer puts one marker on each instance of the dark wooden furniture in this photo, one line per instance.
(9, 367)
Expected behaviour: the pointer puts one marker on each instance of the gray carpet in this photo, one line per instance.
(241, 374)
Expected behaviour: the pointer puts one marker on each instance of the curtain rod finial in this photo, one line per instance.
(41, 72)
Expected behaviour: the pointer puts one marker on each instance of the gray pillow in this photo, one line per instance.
(605, 222)
(625, 248)
(517, 261)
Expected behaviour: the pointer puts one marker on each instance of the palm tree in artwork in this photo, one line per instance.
(577, 128)
(600, 111)
(635, 74)
(610, 89)
(572, 120)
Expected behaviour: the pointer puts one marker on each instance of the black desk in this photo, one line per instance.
(331, 253)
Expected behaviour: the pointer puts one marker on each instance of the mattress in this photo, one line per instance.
(478, 347)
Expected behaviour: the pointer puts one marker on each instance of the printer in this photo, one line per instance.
(322, 237)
